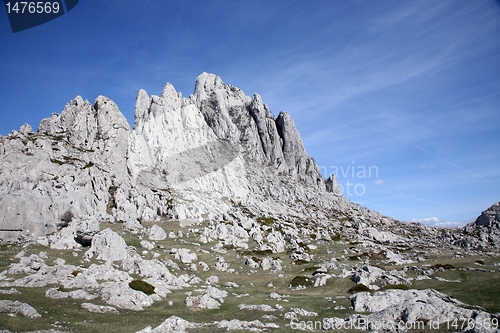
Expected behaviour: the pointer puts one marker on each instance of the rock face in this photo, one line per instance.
(183, 159)
(484, 232)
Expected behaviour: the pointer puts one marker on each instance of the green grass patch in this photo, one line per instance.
(443, 266)
(396, 286)
(475, 288)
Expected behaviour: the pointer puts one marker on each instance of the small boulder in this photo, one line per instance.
(157, 233)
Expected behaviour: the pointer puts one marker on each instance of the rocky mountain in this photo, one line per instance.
(186, 159)
(212, 203)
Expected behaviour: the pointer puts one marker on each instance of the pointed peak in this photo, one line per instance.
(257, 100)
(101, 101)
(207, 83)
(169, 90)
(284, 116)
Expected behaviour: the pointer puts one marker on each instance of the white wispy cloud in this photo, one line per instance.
(435, 222)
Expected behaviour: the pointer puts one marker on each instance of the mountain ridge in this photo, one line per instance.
(215, 155)
(95, 142)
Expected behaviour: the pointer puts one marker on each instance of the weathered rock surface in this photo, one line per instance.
(107, 245)
(399, 310)
(86, 164)
(369, 275)
(238, 178)
(157, 233)
(210, 299)
(254, 325)
(483, 233)
(173, 324)
(99, 308)
(119, 294)
(490, 217)
(18, 308)
(184, 255)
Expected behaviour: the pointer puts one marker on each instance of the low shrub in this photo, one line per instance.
(143, 286)
(302, 281)
(358, 289)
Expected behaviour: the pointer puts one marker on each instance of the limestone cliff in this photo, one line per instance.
(192, 159)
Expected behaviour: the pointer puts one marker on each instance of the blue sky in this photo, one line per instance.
(409, 90)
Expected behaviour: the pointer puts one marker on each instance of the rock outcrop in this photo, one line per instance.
(189, 159)
(403, 310)
(18, 308)
(173, 324)
(483, 233)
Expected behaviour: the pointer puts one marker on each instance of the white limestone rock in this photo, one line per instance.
(107, 245)
(210, 299)
(157, 233)
(254, 325)
(147, 245)
(184, 255)
(86, 228)
(173, 324)
(18, 308)
(99, 308)
(490, 216)
(54, 293)
(82, 294)
(28, 265)
(119, 294)
(369, 275)
(11, 291)
(398, 309)
(256, 307)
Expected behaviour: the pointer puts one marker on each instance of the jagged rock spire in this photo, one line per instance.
(219, 143)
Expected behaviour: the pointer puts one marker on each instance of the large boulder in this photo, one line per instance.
(173, 324)
(107, 245)
(18, 308)
(490, 217)
(401, 310)
(120, 294)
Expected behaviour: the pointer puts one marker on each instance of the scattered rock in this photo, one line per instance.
(147, 245)
(107, 245)
(235, 324)
(254, 307)
(18, 308)
(10, 291)
(99, 308)
(157, 233)
(368, 275)
(397, 309)
(119, 294)
(210, 299)
(184, 255)
(86, 229)
(173, 324)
